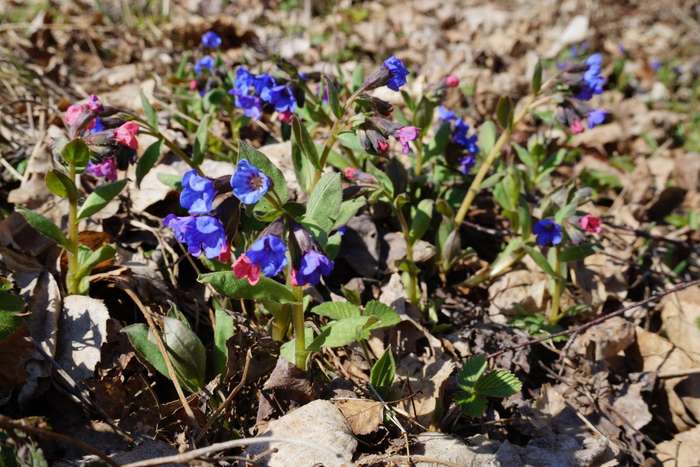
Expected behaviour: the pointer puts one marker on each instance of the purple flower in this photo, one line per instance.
(211, 40)
(446, 114)
(197, 194)
(656, 64)
(97, 126)
(466, 163)
(249, 183)
(548, 232)
(202, 233)
(248, 90)
(397, 71)
(262, 82)
(281, 97)
(204, 63)
(405, 135)
(244, 80)
(269, 253)
(251, 105)
(596, 117)
(107, 169)
(460, 137)
(313, 265)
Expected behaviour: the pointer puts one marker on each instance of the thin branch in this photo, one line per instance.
(9, 424)
(407, 459)
(583, 327)
(236, 443)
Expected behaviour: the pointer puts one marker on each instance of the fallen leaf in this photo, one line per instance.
(363, 415)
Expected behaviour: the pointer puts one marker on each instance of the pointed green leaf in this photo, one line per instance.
(383, 372)
(336, 310)
(421, 219)
(46, 227)
(59, 184)
(472, 369)
(199, 148)
(303, 139)
(148, 160)
(498, 383)
(76, 152)
(323, 203)
(332, 90)
(386, 316)
(149, 111)
(186, 352)
(223, 331)
(536, 83)
(487, 137)
(266, 289)
(540, 260)
(99, 198)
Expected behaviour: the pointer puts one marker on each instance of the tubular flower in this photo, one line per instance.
(211, 40)
(268, 255)
(249, 183)
(204, 63)
(461, 138)
(313, 265)
(126, 135)
(405, 135)
(280, 97)
(596, 117)
(197, 194)
(200, 234)
(591, 223)
(445, 114)
(107, 169)
(397, 71)
(548, 232)
(244, 268)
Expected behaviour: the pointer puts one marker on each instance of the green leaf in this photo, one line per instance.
(149, 112)
(576, 252)
(303, 168)
(336, 310)
(288, 350)
(322, 206)
(504, 111)
(498, 383)
(266, 289)
(473, 404)
(386, 316)
(472, 369)
(344, 331)
(421, 219)
(358, 77)
(526, 157)
(46, 227)
(333, 97)
(99, 198)
(303, 139)
(170, 180)
(76, 152)
(145, 347)
(87, 263)
(260, 160)
(536, 83)
(487, 137)
(186, 352)
(10, 305)
(540, 260)
(60, 185)
(347, 210)
(147, 161)
(223, 331)
(383, 372)
(199, 148)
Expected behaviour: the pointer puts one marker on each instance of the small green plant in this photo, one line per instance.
(477, 384)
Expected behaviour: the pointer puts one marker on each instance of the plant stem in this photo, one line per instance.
(556, 288)
(298, 322)
(412, 279)
(72, 279)
(419, 157)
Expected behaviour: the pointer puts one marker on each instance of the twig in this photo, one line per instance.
(169, 365)
(219, 410)
(9, 424)
(217, 447)
(409, 459)
(598, 320)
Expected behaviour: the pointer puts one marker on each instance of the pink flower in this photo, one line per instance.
(405, 135)
(107, 169)
(350, 173)
(591, 223)
(94, 104)
(73, 114)
(451, 81)
(576, 127)
(382, 146)
(126, 135)
(193, 85)
(285, 116)
(225, 255)
(243, 267)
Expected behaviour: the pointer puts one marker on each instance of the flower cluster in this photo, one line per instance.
(550, 233)
(252, 91)
(107, 137)
(392, 74)
(460, 138)
(584, 81)
(374, 132)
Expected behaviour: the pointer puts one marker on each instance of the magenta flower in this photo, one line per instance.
(244, 268)
(451, 81)
(405, 135)
(591, 223)
(107, 169)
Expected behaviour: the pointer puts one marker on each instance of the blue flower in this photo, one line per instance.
(97, 126)
(262, 82)
(313, 265)
(397, 71)
(269, 253)
(251, 105)
(596, 117)
(203, 233)
(197, 194)
(244, 80)
(656, 64)
(249, 183)
(445, 114)
(211, 40)
(548, 232)
(281, 97)
(466, 163)
(592, 81)
(204, 63)
(461, 138)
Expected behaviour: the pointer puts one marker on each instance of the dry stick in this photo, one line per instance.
(598, 320)
(161, 346)
(10, 424)
(217, 447)
(410, 459)
(230, 397)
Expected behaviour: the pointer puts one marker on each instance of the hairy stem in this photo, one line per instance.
(72, 279)
(412, 278)
(556, 288)
(298, 322)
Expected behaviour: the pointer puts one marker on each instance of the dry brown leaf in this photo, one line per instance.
(682, 450)
(680, 315)
(363, 415)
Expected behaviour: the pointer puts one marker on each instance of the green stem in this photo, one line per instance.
(298, 323)
(556, 288)
(412, 277)
(419, 157)
(72, 279)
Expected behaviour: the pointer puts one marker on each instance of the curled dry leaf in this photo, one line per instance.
(363, 415)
